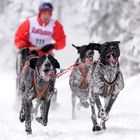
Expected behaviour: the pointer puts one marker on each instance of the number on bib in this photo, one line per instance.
(40, 42)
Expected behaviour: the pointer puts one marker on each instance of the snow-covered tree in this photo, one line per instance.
(114, 20)
(100, 20)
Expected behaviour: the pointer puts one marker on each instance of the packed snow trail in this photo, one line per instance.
(123, 124)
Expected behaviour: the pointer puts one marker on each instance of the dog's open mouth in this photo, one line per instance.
(46, 70)
(89, 61)
(112, 59)
(47, 74)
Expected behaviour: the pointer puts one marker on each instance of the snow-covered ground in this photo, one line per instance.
(124, 119)
(123, 124)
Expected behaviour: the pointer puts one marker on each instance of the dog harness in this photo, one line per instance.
(84, 74)
(24, 69)
(38, 92)
(107, 84)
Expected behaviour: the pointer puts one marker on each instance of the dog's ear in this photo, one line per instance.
(95, 46)
(54, 62)
(77, 47)
(112, 43)
(33, 63)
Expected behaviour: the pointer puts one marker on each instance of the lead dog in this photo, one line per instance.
(37, 81)
(106, 81)
(78, 80)
(22, 56)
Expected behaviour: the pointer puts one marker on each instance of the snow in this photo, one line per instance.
(123, 123)
(124, 119)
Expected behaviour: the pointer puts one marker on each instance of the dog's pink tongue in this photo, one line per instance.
(88, 61)
(112, 60)
(48, 75)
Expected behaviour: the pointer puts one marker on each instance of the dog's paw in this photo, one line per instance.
(40, 120)
(96, 128)
(29, 132)
(102, 123)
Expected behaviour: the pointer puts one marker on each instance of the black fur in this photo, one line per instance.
(54, 62)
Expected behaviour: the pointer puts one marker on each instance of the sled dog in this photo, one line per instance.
(37, 82)
(106, 81)
(78, 80)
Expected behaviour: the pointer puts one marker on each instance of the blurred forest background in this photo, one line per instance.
(98, 20)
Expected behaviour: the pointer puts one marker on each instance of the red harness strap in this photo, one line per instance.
(64, 71)
(67, 70)
(84, 73)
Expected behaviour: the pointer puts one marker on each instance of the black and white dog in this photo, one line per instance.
(106, 81)
(78, 80)
(22, 56)
(37, 81)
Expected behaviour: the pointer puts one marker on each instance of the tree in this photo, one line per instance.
(114, 20)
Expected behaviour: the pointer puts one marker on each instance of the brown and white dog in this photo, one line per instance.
(78, 80)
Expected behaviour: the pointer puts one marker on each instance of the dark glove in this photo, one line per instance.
(34, 52)
(24, 51)
(47, 47)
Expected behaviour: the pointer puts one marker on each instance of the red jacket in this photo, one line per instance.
(22, 36)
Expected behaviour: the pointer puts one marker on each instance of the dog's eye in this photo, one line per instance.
(47, 65)
(89, 54)
(114, 48)
(113, 54)
(109, 55)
